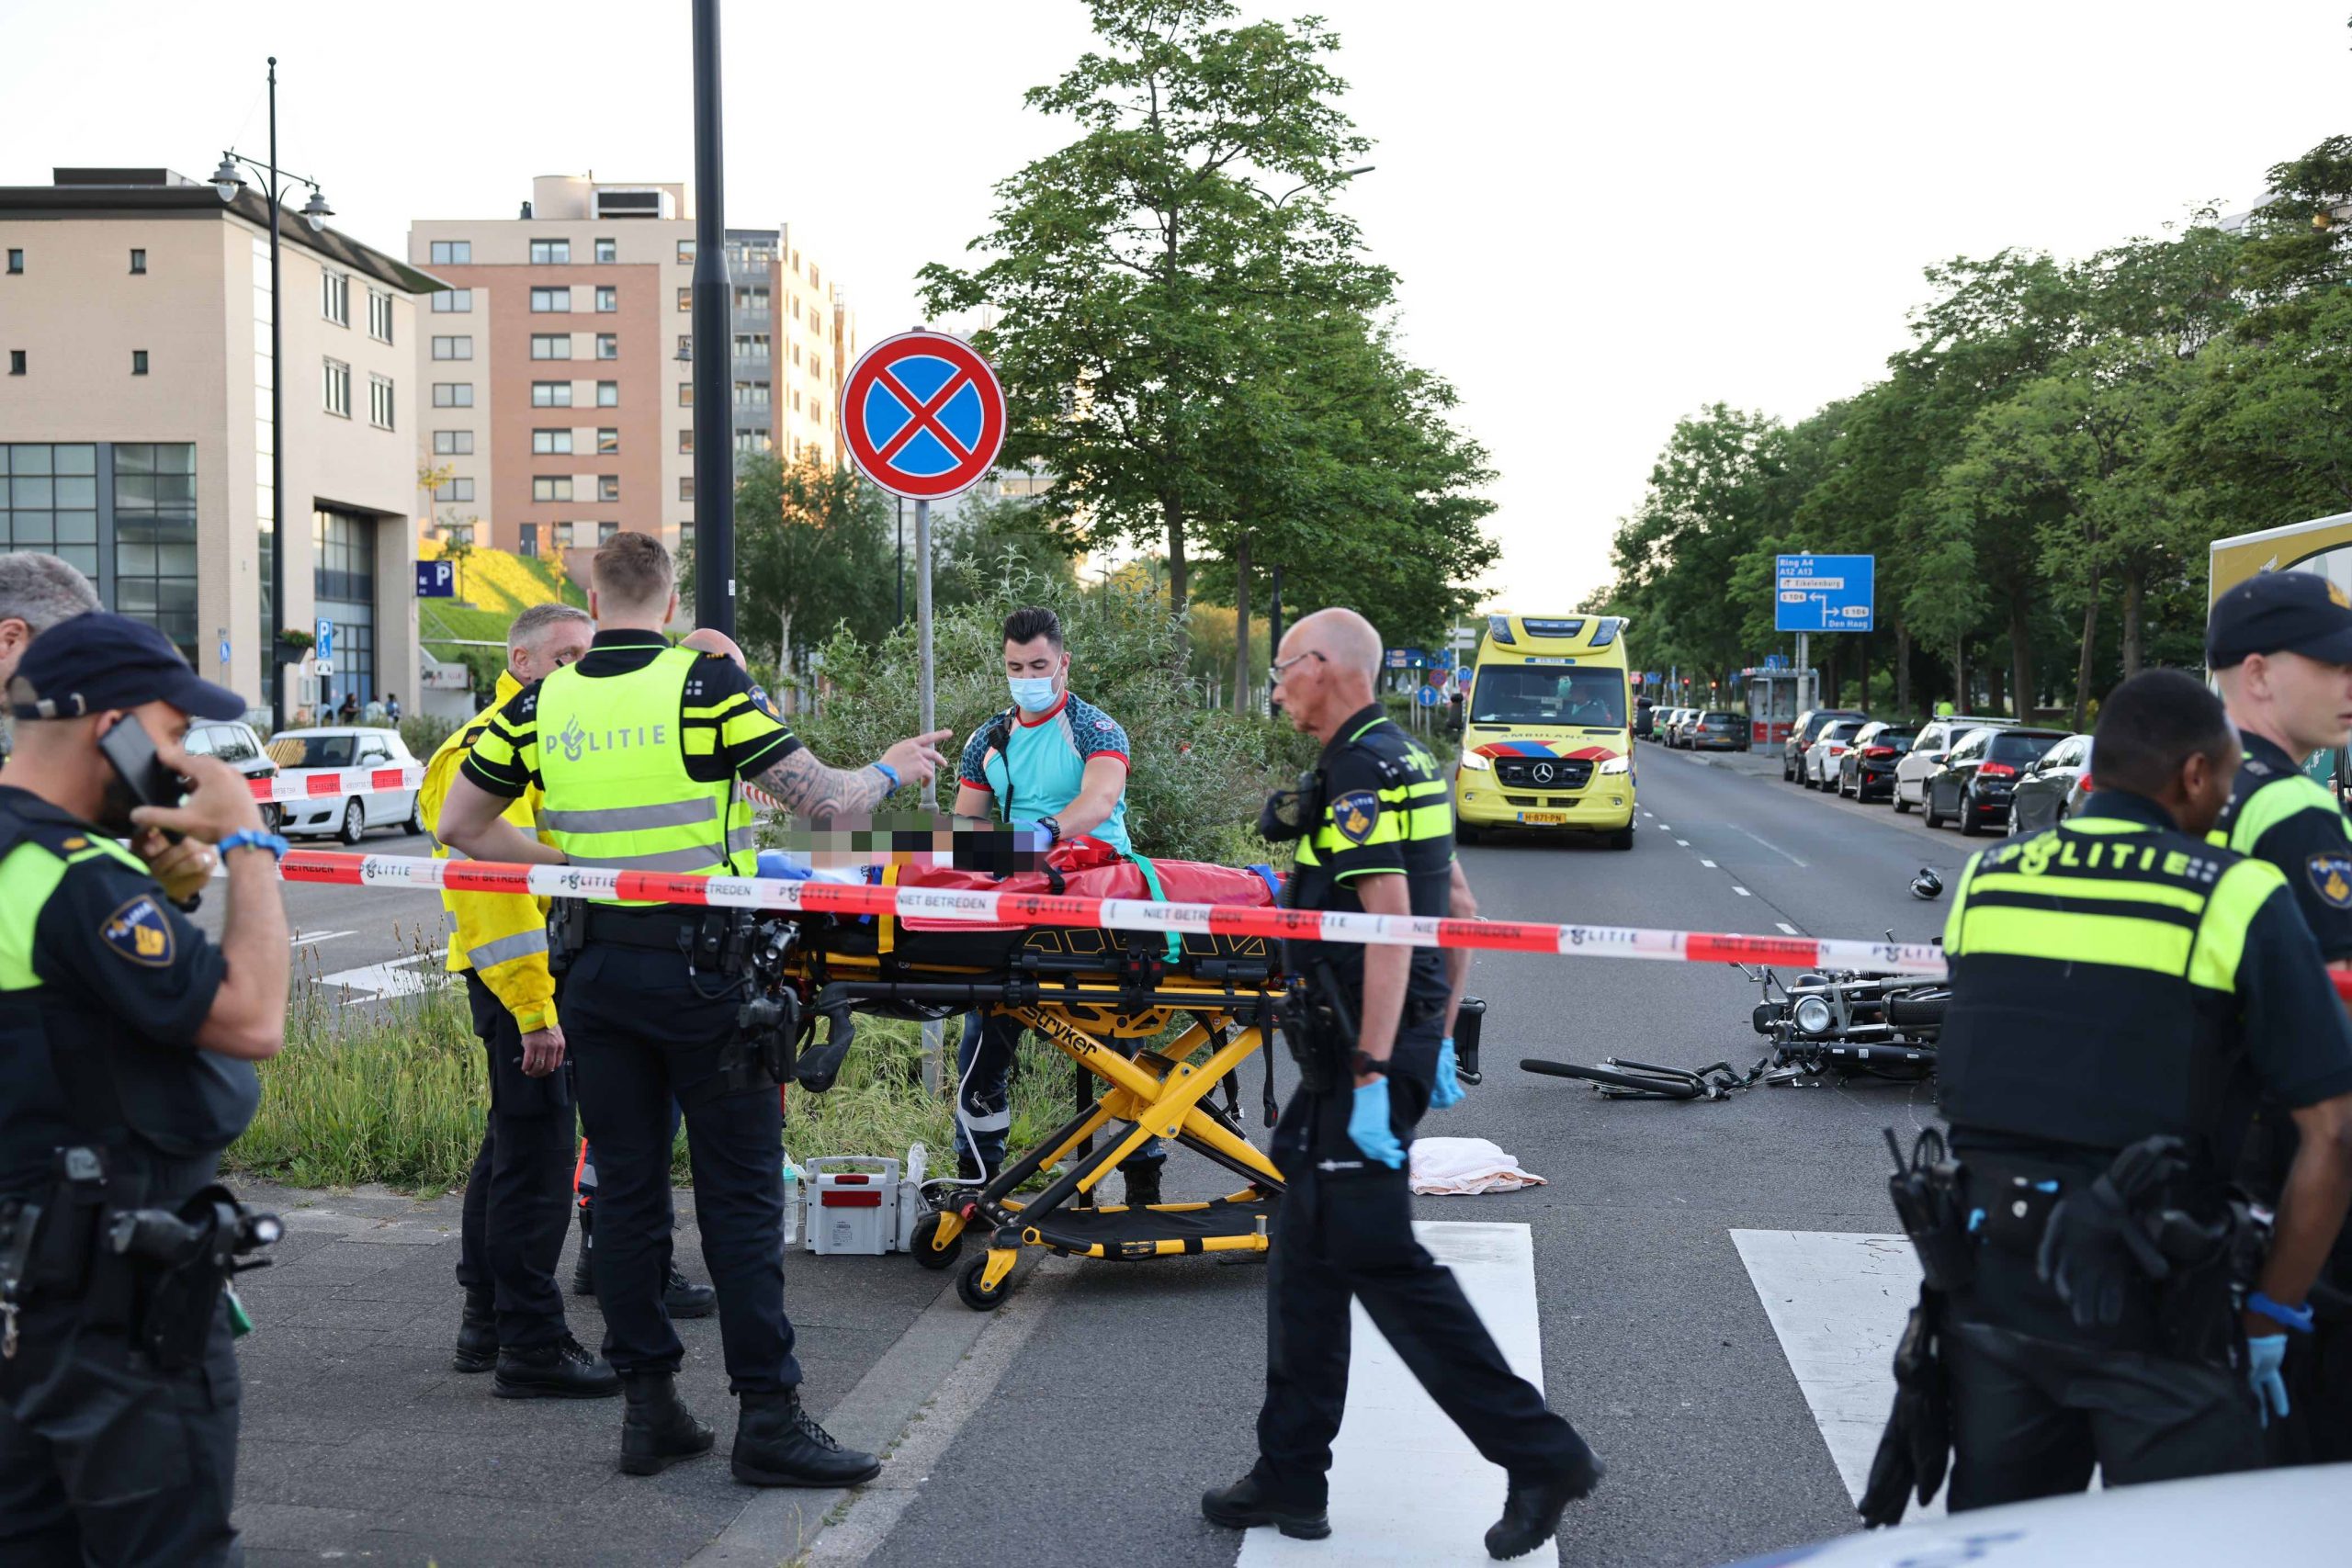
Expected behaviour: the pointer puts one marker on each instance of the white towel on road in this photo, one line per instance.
(1461, 1166)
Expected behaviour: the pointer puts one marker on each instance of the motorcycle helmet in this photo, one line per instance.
(1926, 884)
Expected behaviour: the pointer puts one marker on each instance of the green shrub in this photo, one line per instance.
(422, 733)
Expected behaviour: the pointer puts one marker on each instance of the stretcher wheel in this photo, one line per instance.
(975, 1295)
(923, 1244)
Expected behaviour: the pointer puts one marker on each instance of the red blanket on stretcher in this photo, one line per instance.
(1087, 868)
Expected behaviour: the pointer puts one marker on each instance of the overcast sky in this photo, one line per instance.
(1605, 217)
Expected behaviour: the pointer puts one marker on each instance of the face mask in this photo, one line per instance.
(1032, 695)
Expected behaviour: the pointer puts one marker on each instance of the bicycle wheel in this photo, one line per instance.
(1679, 1087)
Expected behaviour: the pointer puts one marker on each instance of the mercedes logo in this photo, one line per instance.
(1542, 772)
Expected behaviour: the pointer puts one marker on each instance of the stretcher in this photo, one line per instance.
(1130, 1008)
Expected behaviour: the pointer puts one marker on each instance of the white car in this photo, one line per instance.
(1827, 753)
(348, 816)
(1925, 758)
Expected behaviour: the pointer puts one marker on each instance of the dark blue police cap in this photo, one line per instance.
(2280, 612)
(96, 662)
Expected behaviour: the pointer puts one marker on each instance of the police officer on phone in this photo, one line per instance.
(640, 749)
(127, 1041)
(1375, 829)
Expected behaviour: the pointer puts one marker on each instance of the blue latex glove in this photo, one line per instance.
(2264, 1353)
(1448, 1089)
(1368, 1127)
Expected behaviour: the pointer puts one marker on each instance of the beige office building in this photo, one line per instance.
(558, 369)
(135, 435)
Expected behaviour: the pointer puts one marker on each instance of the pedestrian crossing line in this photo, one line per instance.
(1406, 1488)
(1708, 863)
(1787, 928)
(1741, 891)
(1837, 1301)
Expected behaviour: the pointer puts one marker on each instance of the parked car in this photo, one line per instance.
(237, 745)
(1867, 767)
(1912, 769)
(1979, 775)
(2054, 788)
(1819, 764)
(348, 816)
(1645, 718)
(1804, 732)
(1717, 729)
(1668, 720)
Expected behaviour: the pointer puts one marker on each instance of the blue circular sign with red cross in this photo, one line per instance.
(923, 415)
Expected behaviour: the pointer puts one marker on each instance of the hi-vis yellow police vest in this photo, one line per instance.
(613, 763)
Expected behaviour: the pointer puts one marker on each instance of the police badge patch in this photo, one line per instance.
(1355, 813)
(2331, 874)
(138, 932)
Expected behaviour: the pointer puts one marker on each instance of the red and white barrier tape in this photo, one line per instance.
(309, 784)
(1114, 914)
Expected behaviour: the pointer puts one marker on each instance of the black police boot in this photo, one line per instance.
(1142, 1183)
(1532, 1508)
(477, 1335)
(561, 1370)
(658, 1431)
(1248, 1502)
(973, 1173)
(583, 1279)
(778, 1443)
(682, 1298)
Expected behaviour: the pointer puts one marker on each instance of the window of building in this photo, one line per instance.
(550, 253)
(452, 252)
(527, 539)
(604, 532)
(686, 488)
(154, 536)
(751, 394)
(686, 394)
(563, 535)
(796, 354)
(685, 345)
(139, 361)
(550, 394)
(686, 442)
(609, 441)
(457, 487)
(750, 345)
(685, 538)
(608, 250)
(754, 441)
(138, 260)
(795, 307)
(556, 487)
(380, 401)
(458, 302)
(453, 348)
(551, 345)
(51, 503)
(685, 253)
(338, 388)
(685, 298)
(343, 578)
(335, 298)
(795, 402)
(796, 261)
(453, 443)
(608, 299)
(608, 345)
(16, 362)
(16, 259)
(544, 442)
(814, 281)
(816, 413)
(544, 300)
(608, 394)
(608, 487)
(453, 394)
(751, 297)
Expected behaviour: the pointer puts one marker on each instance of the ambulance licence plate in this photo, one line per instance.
(1544, 818)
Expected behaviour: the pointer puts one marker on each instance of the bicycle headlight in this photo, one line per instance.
(1812, 1015)
(1476, 763)
(1618, 765)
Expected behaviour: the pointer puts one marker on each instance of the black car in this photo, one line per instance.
(1867, 767)
(1979, 775)
(1804, 733)
(1716, 730)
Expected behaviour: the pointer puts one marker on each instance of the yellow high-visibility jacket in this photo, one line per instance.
(503, 937)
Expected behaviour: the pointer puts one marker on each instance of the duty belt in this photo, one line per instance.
(715, 942)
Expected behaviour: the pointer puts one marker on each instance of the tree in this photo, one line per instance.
(813, 552)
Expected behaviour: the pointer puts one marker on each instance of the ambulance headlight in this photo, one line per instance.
(1814, 1016)
(1618, 765)
(1476, 763)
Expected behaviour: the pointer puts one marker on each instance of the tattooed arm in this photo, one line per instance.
(821, 793)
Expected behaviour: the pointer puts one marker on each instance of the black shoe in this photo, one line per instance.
(1532, 1508)
(684, 1298)
(583, 1279)
(1247, 1503)
(477, 1336)
(778, 1443)
(1142, 1184)
(561, 1370)
(972, 1173)
(658, 1431)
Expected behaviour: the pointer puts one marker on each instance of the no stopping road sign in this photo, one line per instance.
(923, 415)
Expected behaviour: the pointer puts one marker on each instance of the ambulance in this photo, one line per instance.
(1547, 739)
(2322, 546)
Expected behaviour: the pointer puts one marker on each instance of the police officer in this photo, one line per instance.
(517, 1195)
(2279, 646)
(639, 748)
(127, 1049)
(2121, 993)
(1378, 837)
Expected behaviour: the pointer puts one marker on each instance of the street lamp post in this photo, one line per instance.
(713, 298)
(227, 181)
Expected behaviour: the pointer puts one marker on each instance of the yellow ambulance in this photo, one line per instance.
(1547, 739)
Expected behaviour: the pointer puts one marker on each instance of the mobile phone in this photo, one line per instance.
(132, 755)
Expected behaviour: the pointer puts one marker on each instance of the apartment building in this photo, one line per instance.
(135, 435)
(558, 367)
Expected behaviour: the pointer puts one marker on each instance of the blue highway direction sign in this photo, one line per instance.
(1823, 593)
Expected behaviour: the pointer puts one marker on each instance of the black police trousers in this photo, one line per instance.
(642, 1030)
(1348, 1232)
(2030, 1417)
(518, 1198)
(106, 1460)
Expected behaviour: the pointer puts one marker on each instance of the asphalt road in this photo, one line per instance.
(358, 942)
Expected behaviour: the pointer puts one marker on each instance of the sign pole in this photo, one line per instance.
(713, 301)
(922, 609)
(1804, 676)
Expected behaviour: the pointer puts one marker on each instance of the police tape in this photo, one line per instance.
(980, 907)
(312, 784)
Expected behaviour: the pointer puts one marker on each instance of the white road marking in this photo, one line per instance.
(1664, 827)
(1708, 863)
(1837, 1301)
(1788, 928)
(1393, 1429)
(401, 977)
(1684, 842)
(1741, 891)
(300, 937)
(1770, 845)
